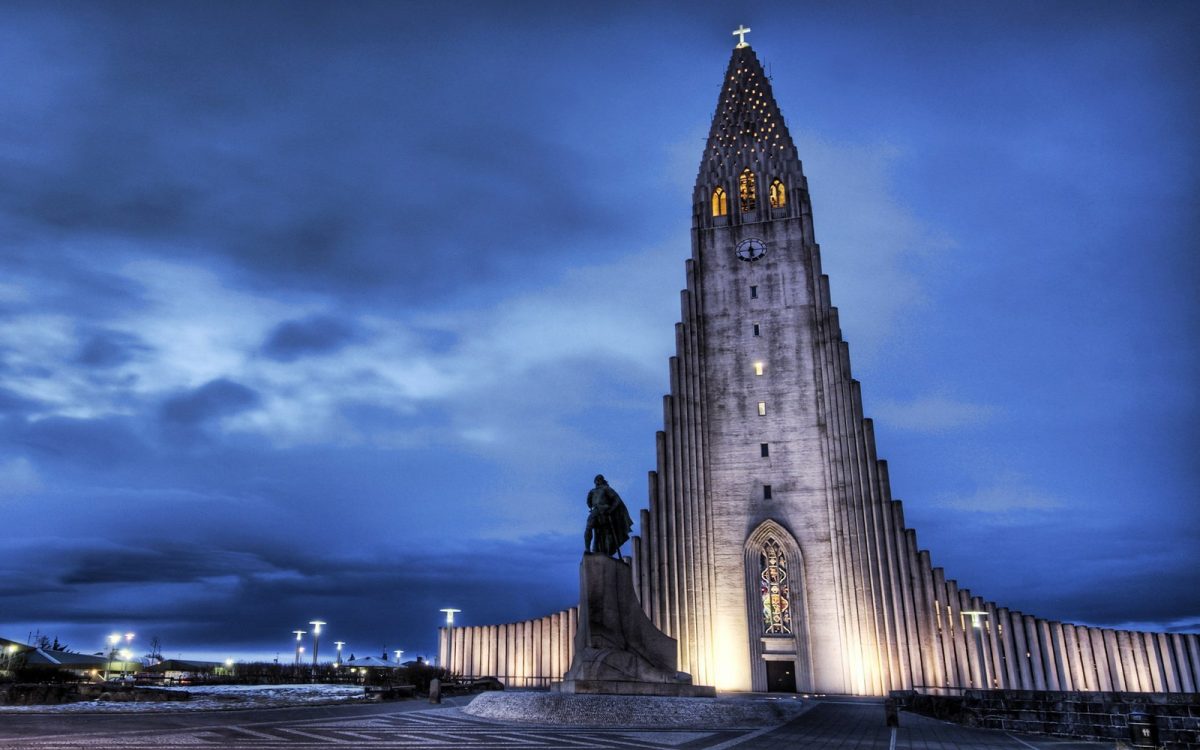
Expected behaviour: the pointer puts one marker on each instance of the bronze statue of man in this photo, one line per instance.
(608, 521)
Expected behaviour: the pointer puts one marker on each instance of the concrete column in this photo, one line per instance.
(1087, 657)
(1100, 659)
(556, 669)
(1168, 662)
(1061, 660)
(974, 657)
(1079, 680)
(995, 643)
(945, 629)
(1116, 674)
(1022, 652)
(957, 636)
(1193, 648)
(1179, 650)
(1047, 649)
(1158, 679)
(1008, 643)
(1129, 670)
(1035, 652)
(931, 643)
(906, 543)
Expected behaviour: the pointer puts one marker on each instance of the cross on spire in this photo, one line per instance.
(740, 32)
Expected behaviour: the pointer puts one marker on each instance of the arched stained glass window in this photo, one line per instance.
(778, 194)
(720, 202)
(773, 585)
(748, 190)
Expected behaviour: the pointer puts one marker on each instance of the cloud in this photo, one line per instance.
(293, 339)
(107, 348)
(217, 398)
(934, 413)
(18, 477)
(872, 240)
(1002, 500)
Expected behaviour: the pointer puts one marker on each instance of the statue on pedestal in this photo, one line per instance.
(608, 521)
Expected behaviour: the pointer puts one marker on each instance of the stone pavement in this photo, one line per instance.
(828, 724)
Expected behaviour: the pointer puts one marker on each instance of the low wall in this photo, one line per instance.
(1101, 716)
(52, 693)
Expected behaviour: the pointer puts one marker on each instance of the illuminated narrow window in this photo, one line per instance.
(720, 202)
(753, 292)
(764, 449)
(748, 190)
(778, 194)
(773, 587)
(758, 368)
(757, 332)
(762, 408)
(766, 492)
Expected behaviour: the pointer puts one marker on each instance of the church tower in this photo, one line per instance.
(771, 548)
(741, 555)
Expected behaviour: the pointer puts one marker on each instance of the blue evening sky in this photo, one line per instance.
(332, 310)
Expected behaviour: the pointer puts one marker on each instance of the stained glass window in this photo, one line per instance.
(720, 204)
(773, 585)
(748, 190)
(778, 194)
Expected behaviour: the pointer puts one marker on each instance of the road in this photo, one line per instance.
(854, 725)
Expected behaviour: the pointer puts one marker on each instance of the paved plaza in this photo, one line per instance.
(825, 724)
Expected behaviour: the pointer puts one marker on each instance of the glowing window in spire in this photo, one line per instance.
(748, 190)
(778, 194)
(773, 585)
(720, 202)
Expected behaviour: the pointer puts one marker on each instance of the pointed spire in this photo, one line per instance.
(748, 131)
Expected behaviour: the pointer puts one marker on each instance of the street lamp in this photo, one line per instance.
(113, 640)
(299, 648)
(399, 652)
(339, 645)
(229, 666)
(316, 640)
(449, 638)
(977, 625)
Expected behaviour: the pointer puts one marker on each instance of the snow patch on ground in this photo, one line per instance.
(558, 709)
(214, 698)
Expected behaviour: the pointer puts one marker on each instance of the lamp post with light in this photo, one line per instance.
(449, 638)
(113, 640)
(977, 625)
(339, 645)
(316, 642)
(399, 653)
(299, 634)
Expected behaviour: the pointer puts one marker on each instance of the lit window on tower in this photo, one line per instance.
(778, 194)
(748, 190)
(758, 368)
(720, 202)
(762, 408)
(773, 585)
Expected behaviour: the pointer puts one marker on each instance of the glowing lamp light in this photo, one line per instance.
(449, 614)
(317, 626)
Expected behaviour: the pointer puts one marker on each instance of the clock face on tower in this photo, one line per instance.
(751, 249)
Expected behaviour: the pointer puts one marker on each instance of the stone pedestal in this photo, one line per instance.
(618, 651)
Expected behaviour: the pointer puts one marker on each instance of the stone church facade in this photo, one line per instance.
(771, 547)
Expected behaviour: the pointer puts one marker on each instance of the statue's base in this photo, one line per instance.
(626, 687)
